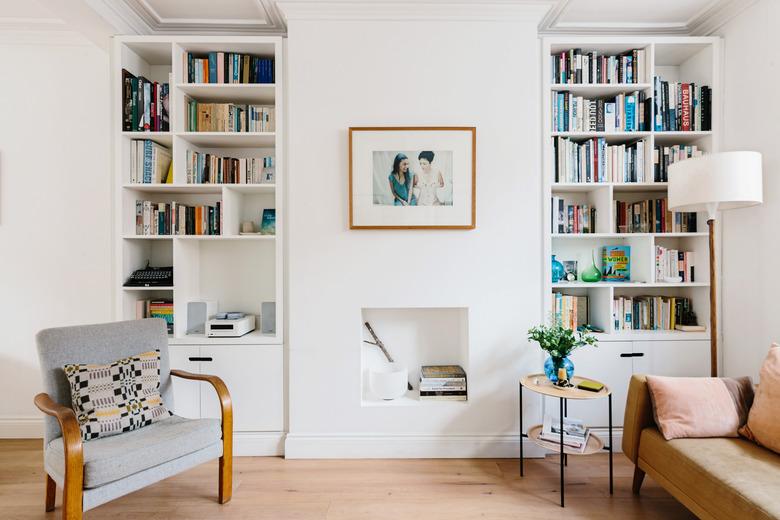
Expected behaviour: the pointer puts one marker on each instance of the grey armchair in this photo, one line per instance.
(97, 471)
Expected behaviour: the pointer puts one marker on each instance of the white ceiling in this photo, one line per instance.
(264, 17)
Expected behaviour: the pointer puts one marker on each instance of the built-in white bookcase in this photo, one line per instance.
(239, 272)
(684, 59)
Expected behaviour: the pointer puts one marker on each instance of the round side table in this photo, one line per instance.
(539, 384)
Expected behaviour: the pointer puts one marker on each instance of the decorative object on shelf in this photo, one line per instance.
(559, 342)
(443, 383)
(268, 222)
(230, 325)
(570, 270)
(248, 227)
(713, 182)
(377, 342)
(592, 273)
(616, 264)
(198, 312)
(412, 177)
(558, 271)
(268, 317)
(389, 381)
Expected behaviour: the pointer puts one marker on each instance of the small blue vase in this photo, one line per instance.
(558, 272)
(551, 366)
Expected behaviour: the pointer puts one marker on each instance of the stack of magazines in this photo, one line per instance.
(575, 434)
(443, 383)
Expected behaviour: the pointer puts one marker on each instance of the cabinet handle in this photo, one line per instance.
(201, 359)
(632, 354)
(639, 354)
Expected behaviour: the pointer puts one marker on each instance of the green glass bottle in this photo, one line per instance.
(592, 273)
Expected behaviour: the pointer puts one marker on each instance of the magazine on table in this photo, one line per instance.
(575, 433)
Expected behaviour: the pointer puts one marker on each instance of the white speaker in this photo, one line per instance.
(268, 318)
(198, 312)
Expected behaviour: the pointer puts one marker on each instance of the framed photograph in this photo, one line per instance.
(412, 177)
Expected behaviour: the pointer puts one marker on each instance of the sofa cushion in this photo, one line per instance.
(763, 425)
(728, 477)
(112, 458)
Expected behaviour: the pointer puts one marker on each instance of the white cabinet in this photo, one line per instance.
(253, 375)
(673, 358)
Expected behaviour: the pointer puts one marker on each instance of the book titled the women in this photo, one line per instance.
(616, 264)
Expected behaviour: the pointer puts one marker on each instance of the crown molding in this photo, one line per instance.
(420, 11)
(709, 20)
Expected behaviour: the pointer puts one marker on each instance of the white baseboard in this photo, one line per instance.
(21, 427)
(258, 444)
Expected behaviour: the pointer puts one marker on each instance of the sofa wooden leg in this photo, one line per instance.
(225, 478)
(72, 497)
(639, 476)
(51, 492)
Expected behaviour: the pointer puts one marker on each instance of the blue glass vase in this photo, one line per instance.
(558, 272)
(551, 366)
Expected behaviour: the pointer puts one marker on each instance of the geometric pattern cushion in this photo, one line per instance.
(119, 397)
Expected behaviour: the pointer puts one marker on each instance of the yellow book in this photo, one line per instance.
(169, 177)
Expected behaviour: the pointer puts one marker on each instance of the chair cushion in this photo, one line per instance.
(762, 425)
(117, 397)
(728, 477)
(112, 458)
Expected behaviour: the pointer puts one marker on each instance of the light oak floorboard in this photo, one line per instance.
(278, 489)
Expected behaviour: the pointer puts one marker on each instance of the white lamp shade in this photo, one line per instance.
(726, 180)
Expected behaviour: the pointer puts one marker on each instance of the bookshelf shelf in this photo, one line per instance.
(600, 89)
(163, 138)
(625, 235)
(159, 288)
(608, 135)
(631, 285)
(590, 186)
(230, 139)
(263, 93)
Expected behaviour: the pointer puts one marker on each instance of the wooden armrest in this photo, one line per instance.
(71, 437)
(222, 393)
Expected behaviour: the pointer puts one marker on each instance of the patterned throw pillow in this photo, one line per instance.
(116, 398)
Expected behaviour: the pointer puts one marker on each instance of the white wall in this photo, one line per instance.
(407, 73)
(54, 205)
(751, 284)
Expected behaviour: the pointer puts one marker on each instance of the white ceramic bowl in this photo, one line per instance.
(389, 381)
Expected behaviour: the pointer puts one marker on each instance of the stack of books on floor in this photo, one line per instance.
(144, 104)
(681, 106)
(173, 218)
(570, 311)
(652, 216)
(443, 383)
(149, 163)
(228, 117)
(572, 218)
(663, 156)
(575, 434)
(228, 67)
(594, 160)
(623, 113)
(654, 313)
(673, 265)
(205, 168)
(575, 66)
(156, 308)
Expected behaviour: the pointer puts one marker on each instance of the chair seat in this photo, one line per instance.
(119, 456)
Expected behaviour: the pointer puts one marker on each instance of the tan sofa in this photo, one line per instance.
(729, 478)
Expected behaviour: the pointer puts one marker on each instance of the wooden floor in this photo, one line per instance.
(430, 489)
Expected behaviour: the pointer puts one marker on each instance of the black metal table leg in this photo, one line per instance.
(566, 414)
(562, 454)
(521, 428)
(610, 445)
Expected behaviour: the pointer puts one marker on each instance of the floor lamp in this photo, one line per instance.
(712, 183)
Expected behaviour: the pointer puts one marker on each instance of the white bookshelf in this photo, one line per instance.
(239, 272)
(685, 59)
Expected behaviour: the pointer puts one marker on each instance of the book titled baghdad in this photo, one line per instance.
(443, 383)
(616, 264)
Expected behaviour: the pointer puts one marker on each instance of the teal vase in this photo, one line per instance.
(552, 364)
(592, 273)
(558, 272)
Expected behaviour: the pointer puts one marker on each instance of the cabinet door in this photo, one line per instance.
(603, 363)
(254, 377)
(672, 358)
(186, 394)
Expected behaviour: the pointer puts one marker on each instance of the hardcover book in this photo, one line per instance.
(616, 263)
(268, 222)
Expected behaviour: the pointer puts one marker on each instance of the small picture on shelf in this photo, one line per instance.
(569, 271)
(616, 264)
(268, 222)
(268, 177)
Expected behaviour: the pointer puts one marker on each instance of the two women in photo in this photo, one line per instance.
(415, 189)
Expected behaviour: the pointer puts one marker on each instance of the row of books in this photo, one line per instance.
(205, 168)
(653, 313)
(149, 162)
(145, 105)
(156, 308)
(228, 67)
(572, 218)
(681, 106)
(229, 117)
(570, 311)
(172, 218)
(575, 434)
(623, 113)
(672, 265)
(663, 156)
(443, 383)
(594, 160)
(577, 67)
(652, 216)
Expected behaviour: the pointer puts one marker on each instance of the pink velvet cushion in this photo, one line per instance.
(700, 406)
(763, 424)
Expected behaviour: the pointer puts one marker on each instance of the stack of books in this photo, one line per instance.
(653, 313)
(681, 106)
(149, 162)
(157, 308)
(652, 216)
(205, 168)
(575, 434)
(570, 311)
(594, 160)
(443, 383)
(623, 113)
(673, 265)
(663, 156)
(572, 218)
(575, 66)
(228, 67)
(228, 117)
(144, 104)
(172, 218)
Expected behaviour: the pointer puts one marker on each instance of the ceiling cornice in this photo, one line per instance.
(715, 16)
